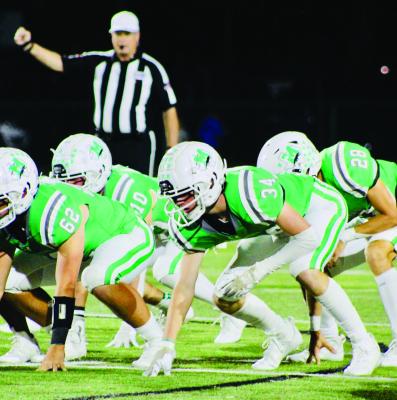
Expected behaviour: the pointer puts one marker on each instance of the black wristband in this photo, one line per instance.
(27, 47)
(59, 335)
(62, 312)
(62, 318)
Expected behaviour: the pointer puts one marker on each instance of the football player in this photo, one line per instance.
(43, 216)
(209, 205)
(369, 188)
(76, 162)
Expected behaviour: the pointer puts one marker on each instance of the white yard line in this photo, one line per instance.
(103, 365)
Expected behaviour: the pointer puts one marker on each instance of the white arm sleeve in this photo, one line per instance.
(298, 246)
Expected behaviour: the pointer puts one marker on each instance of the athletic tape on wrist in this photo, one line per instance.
(62, 318)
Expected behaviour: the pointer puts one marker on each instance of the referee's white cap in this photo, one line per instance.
(124, 21)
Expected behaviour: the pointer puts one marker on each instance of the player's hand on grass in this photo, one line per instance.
(54, 359)
(22, 36)
(317, 342)
(125, 337)
(162, 359)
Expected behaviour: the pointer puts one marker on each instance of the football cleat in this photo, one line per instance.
(231, 329)
(279, 345)
(389, 359)
(24, 349)
(366, 357)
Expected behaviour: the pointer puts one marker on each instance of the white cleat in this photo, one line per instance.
(149, 349)
(366, 357)
(231, 329)
(125, 337)
(279, 346)
(389, 359)
(24, 349)
(76, 345)
(325, 354)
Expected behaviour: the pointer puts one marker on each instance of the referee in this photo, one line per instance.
(131, 91)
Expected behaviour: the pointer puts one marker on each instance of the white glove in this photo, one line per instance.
(162, 358)
(241, 284)
(125, 337)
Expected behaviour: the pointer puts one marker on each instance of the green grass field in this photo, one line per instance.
(204, 370)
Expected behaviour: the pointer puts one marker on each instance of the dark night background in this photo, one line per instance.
(247, 69)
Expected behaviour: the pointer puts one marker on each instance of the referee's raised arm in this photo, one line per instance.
(51, 59)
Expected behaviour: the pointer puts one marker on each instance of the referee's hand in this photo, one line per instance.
(22, 36)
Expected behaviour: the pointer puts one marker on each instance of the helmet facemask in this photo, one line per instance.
(82, 156)
(194, 188)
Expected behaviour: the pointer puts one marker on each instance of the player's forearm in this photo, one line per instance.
(49, 58)
(171, 126)
(182, 298)
(376, 224)
(66, 274)
(5, 266)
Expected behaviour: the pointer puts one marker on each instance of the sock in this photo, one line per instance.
(258, 314)
(79, 312)
(387, 285)
(14, 318)
(329, 327)
(150, 330)
(204, 289)
(341, 308)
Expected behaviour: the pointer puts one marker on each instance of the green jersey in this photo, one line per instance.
(131, 188)
(254, 200)
(55, 215)
(352, 170)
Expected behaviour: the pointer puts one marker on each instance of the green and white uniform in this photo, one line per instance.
(131, 188)
(119, 242)
(255, 199)
(137, 191)
(352, 170)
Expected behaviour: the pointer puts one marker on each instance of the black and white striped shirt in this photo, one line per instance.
(125, 93)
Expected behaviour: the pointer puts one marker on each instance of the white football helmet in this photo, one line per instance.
(82, 156)
(191, 168)
(18, 183)
(290, 151)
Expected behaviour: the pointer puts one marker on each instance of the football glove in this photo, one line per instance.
(162, 359)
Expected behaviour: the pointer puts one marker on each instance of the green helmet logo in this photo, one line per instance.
(17, 166)
(201, 158)
(96, 148)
